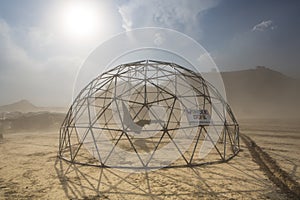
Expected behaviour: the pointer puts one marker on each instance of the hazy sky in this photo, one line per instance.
(43, 43)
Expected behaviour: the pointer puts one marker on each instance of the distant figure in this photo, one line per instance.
(1, 131)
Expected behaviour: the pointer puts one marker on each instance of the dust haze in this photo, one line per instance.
(265, 103)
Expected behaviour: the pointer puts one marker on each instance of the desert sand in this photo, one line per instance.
(29, 169)
(267, 167)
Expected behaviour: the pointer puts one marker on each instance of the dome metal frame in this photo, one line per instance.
(92, 114)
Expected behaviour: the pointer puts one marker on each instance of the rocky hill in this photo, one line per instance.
(262, 93)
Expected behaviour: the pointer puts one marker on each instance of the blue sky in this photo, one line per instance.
(40, 57)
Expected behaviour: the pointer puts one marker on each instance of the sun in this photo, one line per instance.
(80, 20)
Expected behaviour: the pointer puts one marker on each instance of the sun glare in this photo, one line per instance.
(80, 20)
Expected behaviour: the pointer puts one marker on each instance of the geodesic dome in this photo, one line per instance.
(147, 115)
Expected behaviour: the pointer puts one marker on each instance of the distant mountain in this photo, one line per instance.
(23, 115)
(20, 106)
(25, 106)
(253, 93)
(262, 93)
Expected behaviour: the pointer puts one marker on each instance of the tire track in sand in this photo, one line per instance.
(277, 175)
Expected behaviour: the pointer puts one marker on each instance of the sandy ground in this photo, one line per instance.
(280, 139)
(29, 169)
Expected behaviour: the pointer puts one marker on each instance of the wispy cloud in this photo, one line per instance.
(264, 25)
(181, 15)
(23, 76)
